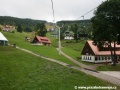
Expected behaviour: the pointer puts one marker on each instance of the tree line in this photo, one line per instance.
(77, 27)
(27, 25)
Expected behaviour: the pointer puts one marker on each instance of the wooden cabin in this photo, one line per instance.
(92, 53)
(38, 40)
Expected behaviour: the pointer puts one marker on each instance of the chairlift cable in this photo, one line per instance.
(53, 11)
(77, 18)
(86, 13)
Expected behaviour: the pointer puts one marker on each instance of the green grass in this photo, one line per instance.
(109, 68)
(54, 40)
(73, 45)
(22, 71)
(48, 51)
(70, 47)
(74, 49)
(74, 54)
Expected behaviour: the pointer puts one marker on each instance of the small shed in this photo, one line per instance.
(3, 40)
(38, 40)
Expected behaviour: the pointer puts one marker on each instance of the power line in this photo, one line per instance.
(76, 19)
(86, 13)
(53, 11)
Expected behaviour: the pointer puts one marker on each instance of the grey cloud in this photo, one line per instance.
(42, 9)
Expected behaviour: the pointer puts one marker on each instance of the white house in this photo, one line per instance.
(69, 35)
(3, 40)
(91, 53)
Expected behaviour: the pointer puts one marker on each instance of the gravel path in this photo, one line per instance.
(78, 63)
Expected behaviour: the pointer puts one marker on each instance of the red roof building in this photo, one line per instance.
(91, 53)
(38, 40)
(8, 28)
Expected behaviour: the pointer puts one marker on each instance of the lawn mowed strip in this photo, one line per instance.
(22, 71)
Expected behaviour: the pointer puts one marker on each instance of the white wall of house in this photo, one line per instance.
(68, 37)
(88, 58)
(37, 44)
(96, 59)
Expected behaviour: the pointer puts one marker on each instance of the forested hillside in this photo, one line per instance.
(28, 25)
(16, 21)
(77, 26)
(86, 21)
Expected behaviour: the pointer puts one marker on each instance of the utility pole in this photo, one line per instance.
(59, 41)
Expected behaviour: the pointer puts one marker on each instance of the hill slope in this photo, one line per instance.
(47, 51)
(7, 20)
(20, 70)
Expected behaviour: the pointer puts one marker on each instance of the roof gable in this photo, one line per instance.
(95, 49)
(87, 49)
(2, 37)
(43, 39)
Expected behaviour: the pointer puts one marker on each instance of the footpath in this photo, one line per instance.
(84, 68)
(93, 68)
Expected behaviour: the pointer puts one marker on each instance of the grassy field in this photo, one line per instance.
(48, 51)
(73, 49)
(22, 71)
(70, 47)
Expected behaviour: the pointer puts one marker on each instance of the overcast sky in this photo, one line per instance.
(42, 9)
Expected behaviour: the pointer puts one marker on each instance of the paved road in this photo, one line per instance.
(115, 74)
(100, 75)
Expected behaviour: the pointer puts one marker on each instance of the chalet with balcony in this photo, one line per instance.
(92, 53)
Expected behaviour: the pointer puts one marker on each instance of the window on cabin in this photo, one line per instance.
(102, 58)
(105, 58)
(84, 57)
(95, 58)
(90, 58)
(110, 58)
(99, 58)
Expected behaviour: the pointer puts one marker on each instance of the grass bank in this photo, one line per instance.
(47, 51)
(73, 49)
(22, 71)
